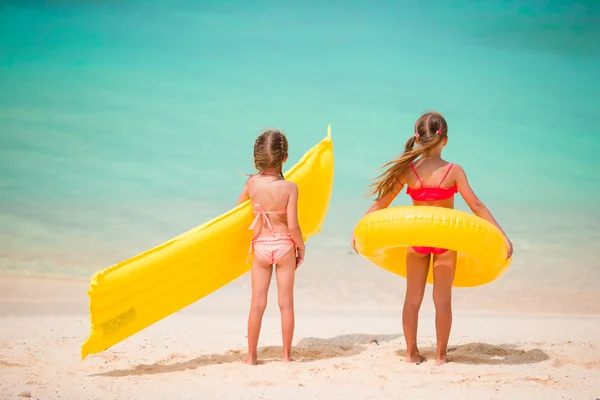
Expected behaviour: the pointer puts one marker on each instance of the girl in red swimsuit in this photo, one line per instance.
(277, 240)
(430, 181)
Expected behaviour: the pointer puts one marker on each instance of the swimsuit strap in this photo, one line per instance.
(268, 173)
(260, 173)
(446, 174)
(416, 175)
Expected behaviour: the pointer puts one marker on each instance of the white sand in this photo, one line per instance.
(349, 352)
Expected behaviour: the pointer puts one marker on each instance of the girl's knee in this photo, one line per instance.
(286, 303)
(259, 304)
(442, 302)
(413, 301)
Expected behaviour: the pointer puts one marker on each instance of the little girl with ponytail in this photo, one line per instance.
(430, 181)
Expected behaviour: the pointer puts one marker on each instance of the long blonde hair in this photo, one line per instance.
(270, 150)
(430, 130)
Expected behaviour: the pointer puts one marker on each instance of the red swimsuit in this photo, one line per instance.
(431, 194)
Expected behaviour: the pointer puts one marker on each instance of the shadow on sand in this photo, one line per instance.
(483, 353)
(306, 350)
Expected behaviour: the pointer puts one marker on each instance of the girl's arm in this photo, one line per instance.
(477, 205)
(382, 203)
(244, 196)
(292, 217)
(386, 200)
(293, 224)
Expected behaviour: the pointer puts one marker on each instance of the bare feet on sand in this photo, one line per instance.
(441, 360)
(414, 358)
(252, 360)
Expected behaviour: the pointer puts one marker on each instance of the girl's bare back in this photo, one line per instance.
(271, 194)
(432, 173)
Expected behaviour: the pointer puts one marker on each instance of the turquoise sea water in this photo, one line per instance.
(123, 124)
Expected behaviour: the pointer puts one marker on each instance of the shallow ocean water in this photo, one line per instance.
(123, 124)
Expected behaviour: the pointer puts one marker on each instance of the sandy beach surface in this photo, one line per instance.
(348, 352)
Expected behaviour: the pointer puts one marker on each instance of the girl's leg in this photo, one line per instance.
(261, 278)
(286, 272)
(444, 266)
(417, 267)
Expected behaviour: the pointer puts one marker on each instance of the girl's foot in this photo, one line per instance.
(252, 360)
(414, 358)
(287, 359)
(441, 360)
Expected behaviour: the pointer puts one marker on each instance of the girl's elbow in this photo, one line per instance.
(478, 206)
(293, 226)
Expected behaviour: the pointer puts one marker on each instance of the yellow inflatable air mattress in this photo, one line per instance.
(382, 237)
(138, 292)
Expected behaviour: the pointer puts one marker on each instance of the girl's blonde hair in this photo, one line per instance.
(430, 130)
(270, 150)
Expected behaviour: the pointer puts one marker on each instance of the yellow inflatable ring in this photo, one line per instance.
(383, 236)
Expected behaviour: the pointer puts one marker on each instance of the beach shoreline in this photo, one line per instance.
(340, 353)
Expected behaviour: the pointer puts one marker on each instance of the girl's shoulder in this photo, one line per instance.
(287, 188)
(281, 184)
(456, 172)
(454, 166)
(289, 185)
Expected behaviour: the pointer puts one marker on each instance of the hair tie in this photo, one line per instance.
(439, 131)
(417, 135)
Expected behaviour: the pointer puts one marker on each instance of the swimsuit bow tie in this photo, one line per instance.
(260, 213)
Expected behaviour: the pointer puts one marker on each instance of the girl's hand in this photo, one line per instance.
(354, 244)
(510, 248)
(299, 256)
